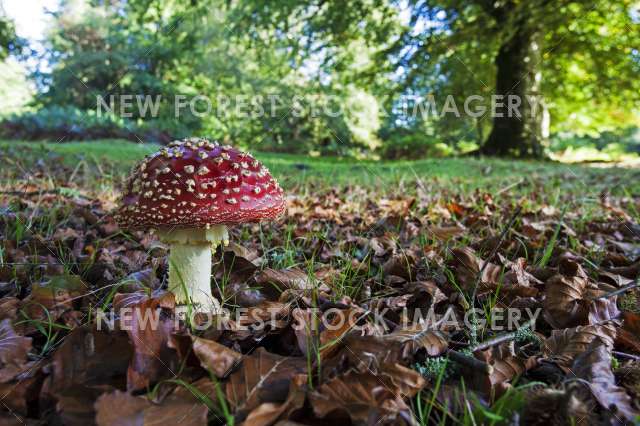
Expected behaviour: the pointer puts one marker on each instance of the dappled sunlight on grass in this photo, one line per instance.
(110, 160)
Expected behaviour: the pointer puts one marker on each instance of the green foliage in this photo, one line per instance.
(586, 73)
(295, 77)
(15, 89)
(166, 50)
(406, 144)
(70, 123)
(624, 139)
(105, 51)
(505, 410)
(9, 41)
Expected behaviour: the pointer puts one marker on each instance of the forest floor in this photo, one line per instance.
(386, 247)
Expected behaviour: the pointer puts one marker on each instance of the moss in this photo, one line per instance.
(432, 368)
(629, 302)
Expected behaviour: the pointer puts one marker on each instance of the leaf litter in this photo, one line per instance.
(340, 313)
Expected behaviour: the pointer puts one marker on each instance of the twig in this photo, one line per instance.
(502, 338)
(507, 188)
(469, 361)
(28, 193)
(56, 191)
(626, 355)
(620, 290)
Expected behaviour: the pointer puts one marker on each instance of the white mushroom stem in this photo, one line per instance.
(190, 264)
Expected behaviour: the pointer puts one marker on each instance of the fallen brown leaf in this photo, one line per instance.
(268, 413)
(563, 346)
(122, 409)
(547, 407)
(594, 366)
(564, 294)
(364, 396)
(629, 335)
(88, 360)
(215, 357)
(13, 347)
(262, 377)
(149, 326)
(274, 282)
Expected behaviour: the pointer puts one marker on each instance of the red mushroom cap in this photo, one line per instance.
(194, 183)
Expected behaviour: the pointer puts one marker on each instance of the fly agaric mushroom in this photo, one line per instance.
(190, 192)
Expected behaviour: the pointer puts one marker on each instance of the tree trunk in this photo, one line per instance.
(518, 131)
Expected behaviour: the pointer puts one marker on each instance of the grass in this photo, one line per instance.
(95, 170)
(108, 161)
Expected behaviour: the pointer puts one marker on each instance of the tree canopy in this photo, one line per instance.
(578, 58)
(367, 77)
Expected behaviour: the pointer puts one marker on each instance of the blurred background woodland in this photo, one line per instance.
(338, 77)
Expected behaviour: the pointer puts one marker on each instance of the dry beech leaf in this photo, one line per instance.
(447, 232)
(631, 272)
(399, 207)
(89, 356)
(158, 298)
(401, 265)
(274, 282)
(240, 261)
(424, 294)
(564, 294)
(517, 280)
(22, 394)
(406, 380)
(594, 366)
(364, 396)
(140, 280)
(338, 326)
(306, 323)
(629, 335)
(369, 352)
(614, 279)
(13, 348)
(268, 413)
(236, 269)
(123, 409)
(271, 314)
(381, 246)
(550, 407)
(456, 208)
(215, 357)
(149, 327)
(9, 307)
(314, 331)
(75, 406)
(10, 372)
(50, 299)
(512, 279)
(262, 377)
(563, 346)
(502, 371)
(120, 409)
(467, 266)
(416, 337)
(602, 310)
